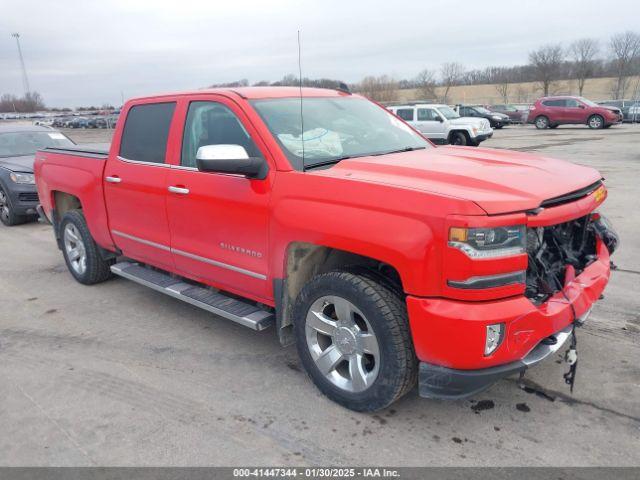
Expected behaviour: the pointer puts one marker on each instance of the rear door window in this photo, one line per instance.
(405, 114)
(146, 130)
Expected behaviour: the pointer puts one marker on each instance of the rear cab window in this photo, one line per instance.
(145, 132)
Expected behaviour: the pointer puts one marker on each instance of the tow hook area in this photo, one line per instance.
(571, 357)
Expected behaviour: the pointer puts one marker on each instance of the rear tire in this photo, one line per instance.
(542, 122)
(458, 138)
(595, 122)
(7, 214)
(81, 252)
(353, 339)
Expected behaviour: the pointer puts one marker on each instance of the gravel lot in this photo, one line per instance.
(117, 374)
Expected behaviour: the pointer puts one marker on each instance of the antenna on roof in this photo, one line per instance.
(300, 83)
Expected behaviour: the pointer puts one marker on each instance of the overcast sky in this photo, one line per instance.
(80, 52)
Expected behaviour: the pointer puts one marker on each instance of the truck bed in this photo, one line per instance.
(76, 171)
(99, 150)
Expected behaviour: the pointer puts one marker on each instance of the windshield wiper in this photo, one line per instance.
(400, 150)
(347, 157)
(333, 161)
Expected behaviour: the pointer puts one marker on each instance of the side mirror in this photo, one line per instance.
(439, 119)
(232, 159)
(582, 107)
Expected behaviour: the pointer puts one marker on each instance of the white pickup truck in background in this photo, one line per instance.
(442, 124)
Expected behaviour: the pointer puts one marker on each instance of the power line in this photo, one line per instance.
(25, 80)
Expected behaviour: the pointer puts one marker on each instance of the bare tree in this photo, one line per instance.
(625, 48)
(546, 63)
(452, 73)
(502, 79)
(31, 102)
(379, 89)
(583, 53)
(426, 84)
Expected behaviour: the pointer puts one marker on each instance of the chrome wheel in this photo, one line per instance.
(542, 122)
(342, 343)
(5, 213)
(595, 122)
(75, 249)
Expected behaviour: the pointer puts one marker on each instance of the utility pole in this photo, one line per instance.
(25, 80)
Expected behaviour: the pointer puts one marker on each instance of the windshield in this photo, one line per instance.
(15, 144)
(588, 102)
(449, 113)
(482, 110)
(334, 129)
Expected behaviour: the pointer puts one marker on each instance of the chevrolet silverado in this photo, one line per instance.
(389, 262)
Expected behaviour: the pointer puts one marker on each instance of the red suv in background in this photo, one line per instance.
(549, 112)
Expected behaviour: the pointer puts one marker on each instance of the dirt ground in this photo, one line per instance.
(117, 374)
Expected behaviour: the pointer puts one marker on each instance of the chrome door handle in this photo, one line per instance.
(179, 190)
(113, 179)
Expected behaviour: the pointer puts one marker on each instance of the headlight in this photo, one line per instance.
(489, 242)
(22, 178)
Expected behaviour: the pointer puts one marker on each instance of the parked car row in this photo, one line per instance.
(83, 122)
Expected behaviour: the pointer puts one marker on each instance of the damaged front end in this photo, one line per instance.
(564, 249)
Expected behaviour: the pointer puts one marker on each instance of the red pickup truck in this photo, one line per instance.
(386, 260)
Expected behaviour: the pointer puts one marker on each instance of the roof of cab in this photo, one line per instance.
(18, 127)
(253, 93)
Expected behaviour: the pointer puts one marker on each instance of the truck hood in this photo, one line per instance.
(498, 181)
(23, 163)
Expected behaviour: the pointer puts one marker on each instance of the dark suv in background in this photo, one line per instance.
(496, 119)
(517, 115)
(549, 112)
(18, 146)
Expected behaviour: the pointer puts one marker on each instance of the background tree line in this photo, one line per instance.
(585, 58)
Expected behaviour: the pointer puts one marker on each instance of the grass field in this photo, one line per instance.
(595, 89)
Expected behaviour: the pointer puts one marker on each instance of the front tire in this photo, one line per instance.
(8, 216)
(80, 250)
(542, 122)
(458, 138)
(353, 339)
(595, 122)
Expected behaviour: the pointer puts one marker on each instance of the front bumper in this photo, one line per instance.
(449, 335)
(447, 383)
(23, 198)
(481, 137)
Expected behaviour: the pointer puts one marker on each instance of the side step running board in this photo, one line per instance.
(230, 308)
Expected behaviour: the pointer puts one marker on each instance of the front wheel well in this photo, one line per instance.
(305, 261)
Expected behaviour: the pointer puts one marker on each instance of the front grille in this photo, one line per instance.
(28, 196)
(571, 196)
